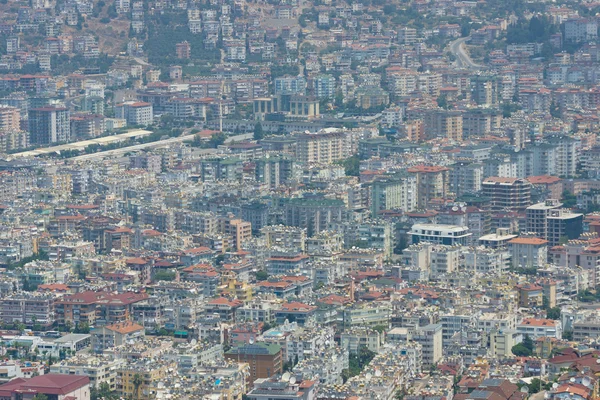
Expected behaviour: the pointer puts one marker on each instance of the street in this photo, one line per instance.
(463, 59)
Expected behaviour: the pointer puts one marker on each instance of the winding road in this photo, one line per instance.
(457, 48)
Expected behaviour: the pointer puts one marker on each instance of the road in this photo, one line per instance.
(457, 48)
(160, 143)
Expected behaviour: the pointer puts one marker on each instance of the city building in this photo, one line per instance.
(507, 194)
(135, 113)
(48, 125)
(265, 360)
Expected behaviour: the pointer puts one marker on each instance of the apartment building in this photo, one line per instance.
(563, 225)
(449, 235)
(48, 125)
(237, 230)
(28, 308)
(393, 194)
(323, 147)
(284, 236)
(432, 183)
(265, 360)
(9, 118)
(528, 252)
(536, 328)
(96, 308)
(507, 194)
(135, 112)
(444, 124)
(127, 332)
(313, 214)
(537, 217)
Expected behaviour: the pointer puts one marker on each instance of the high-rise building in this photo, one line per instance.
(393, 194)
(442, 123)
(563, 225)
(432, 183)
(537, 217)
(274, 171)
(507, 194)
(135, 113)
(323, 147)
(485, 89)
(314, 214)
(9, 118)
(324, 86)
(466, 177)
(290, 85)
(49, 125)
(266, 359)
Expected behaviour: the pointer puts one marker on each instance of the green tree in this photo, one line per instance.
(352, 166)
(40, 396)
(137, 381)
(442, 101)
(553, 313)
(102, 392)
(217, 139)
(569, 200)
(82, 327)
(262, 275)
(523, 349)
(165, 276)
(568, 335)
(520, 350)
(380, 328)
(258, 131)
(528, 343)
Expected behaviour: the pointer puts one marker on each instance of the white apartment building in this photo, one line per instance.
(135, 113)
(536, 328)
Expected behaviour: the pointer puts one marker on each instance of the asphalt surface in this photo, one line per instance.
(457, 48)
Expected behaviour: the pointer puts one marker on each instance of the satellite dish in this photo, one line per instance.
(286, 377)
(378, 372)
(598, 361)
(193, 342)
(586, 381)
(251, 340)
(327, 343)
(572, 380)
(368, 376)
(292, 380)
(554, 385)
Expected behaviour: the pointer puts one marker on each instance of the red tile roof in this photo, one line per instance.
(54, 384)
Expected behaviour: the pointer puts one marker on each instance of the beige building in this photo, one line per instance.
(501, 343)
(446, 124)
(432, 183)
(238, 231)
(324, 147)
(9, 118)
(117, 334)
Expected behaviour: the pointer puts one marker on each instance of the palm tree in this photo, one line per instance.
(137, 382)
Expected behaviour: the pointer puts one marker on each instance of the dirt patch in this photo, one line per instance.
(112, 37)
